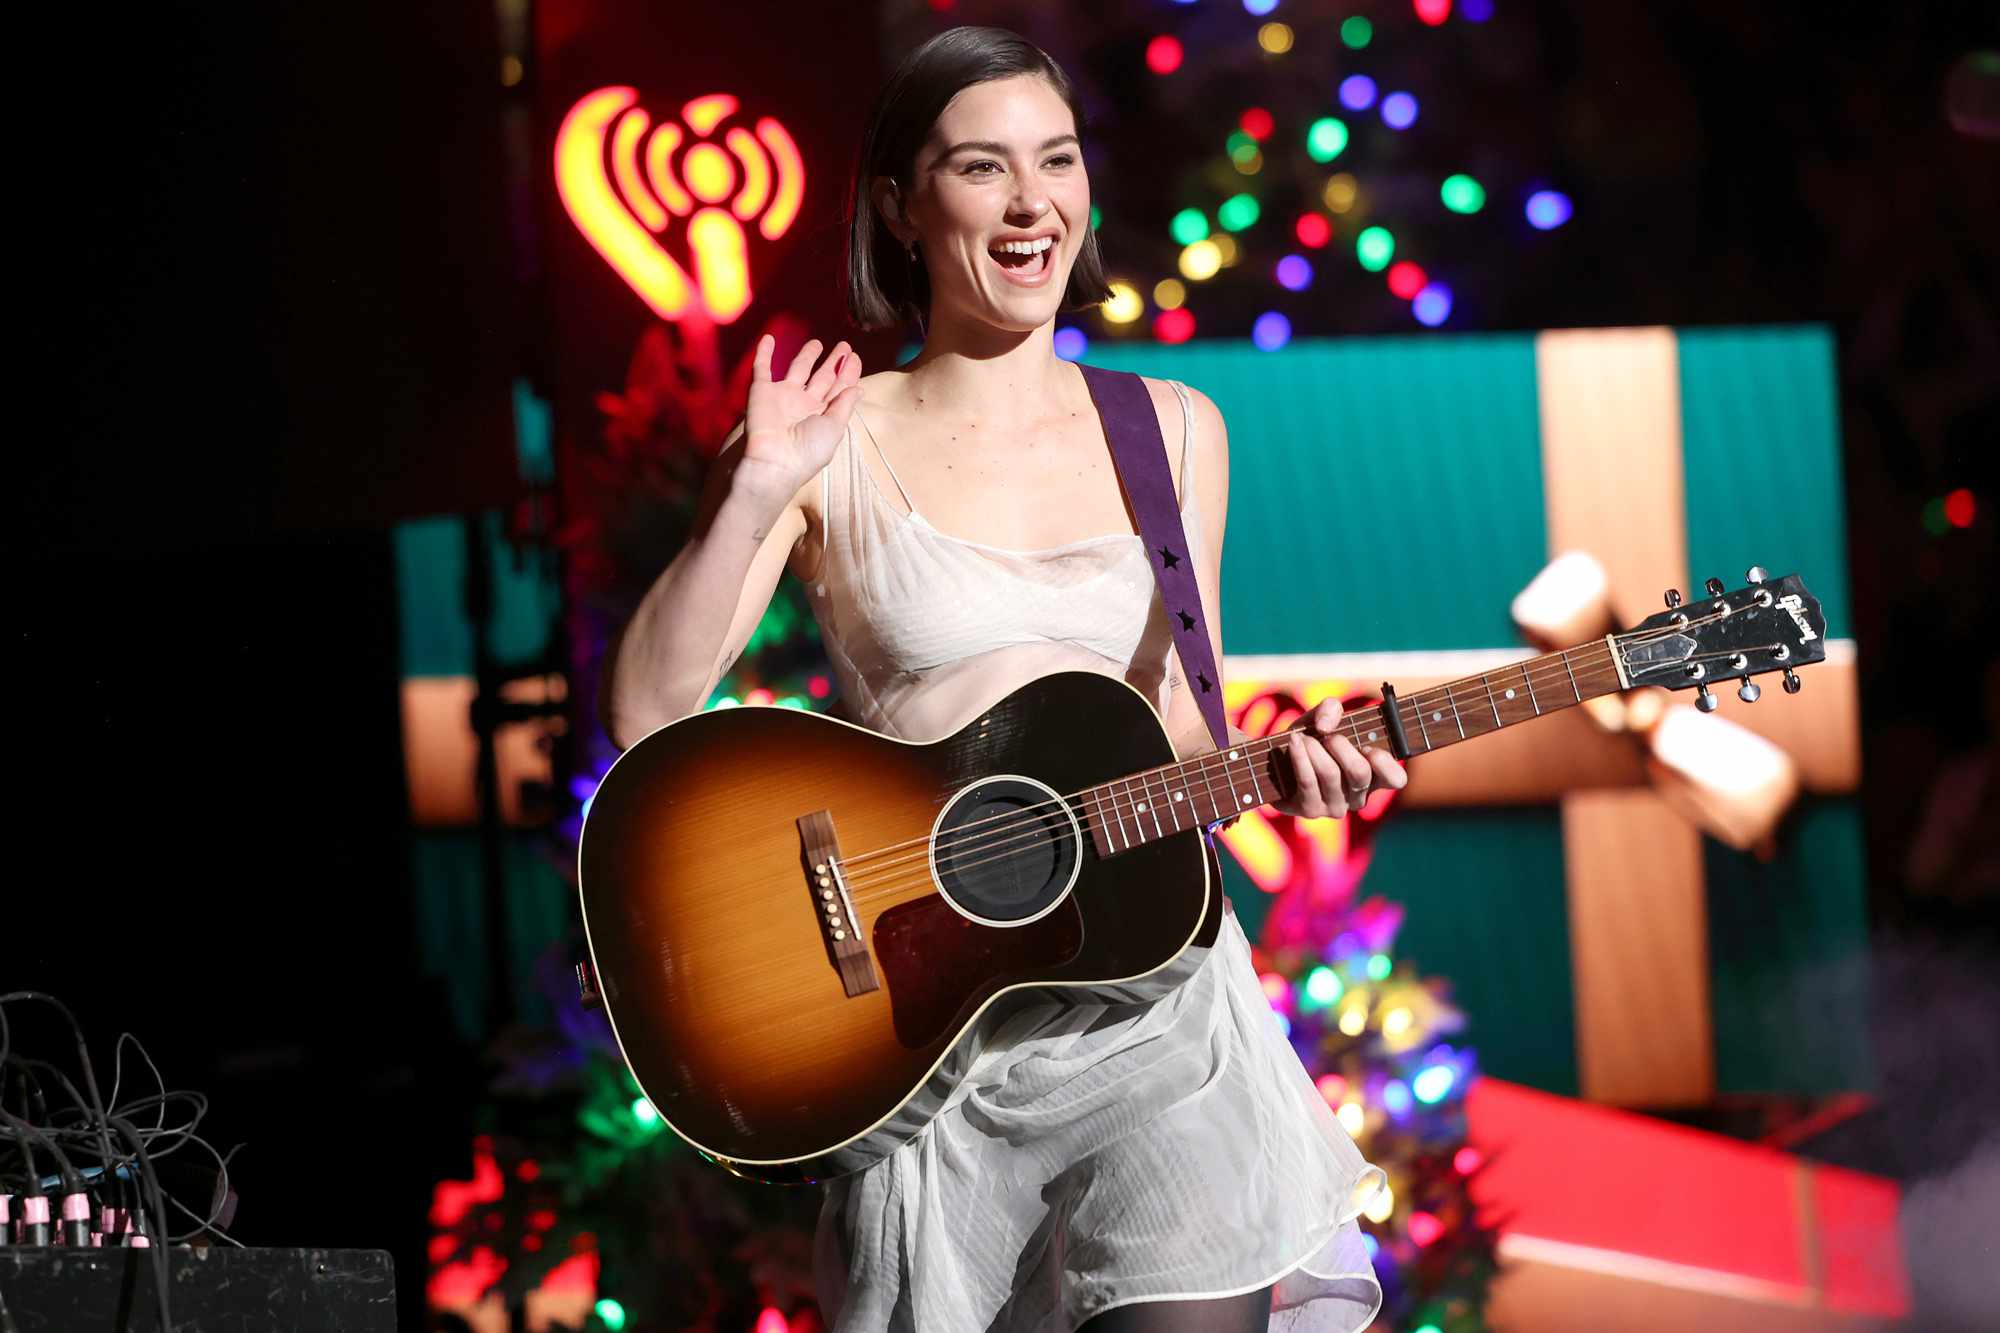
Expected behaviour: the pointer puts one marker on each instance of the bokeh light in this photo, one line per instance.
(1260, 7)
(1189, 225)
(1071, 344)
(1248, 159)
(1547, 210)
(1340, 192)
(1357, 92)
(1124, 304)
(1225, 248)
(1433, 305)
(1312, 230)
(1374, 248)
(1432, 1083)
(1475, 11)
(1433, 12)
(1294, 273)
(1406, 280)
(1169, 293)
(1257, 123)
(1326, 138)
(1356, 32)
(1425, 1228)
(1275, 38)
(1237, 212)
(1163, 54)
(1200, 261)
(1399, 111)
(1271, 331)
(1462, 194)
(1960, 508)
(1174, 326)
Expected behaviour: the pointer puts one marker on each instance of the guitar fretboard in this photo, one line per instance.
(1212, 787)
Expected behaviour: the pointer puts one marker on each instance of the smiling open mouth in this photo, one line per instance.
(1024, 267)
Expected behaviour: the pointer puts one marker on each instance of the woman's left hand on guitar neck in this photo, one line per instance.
(1330, 775)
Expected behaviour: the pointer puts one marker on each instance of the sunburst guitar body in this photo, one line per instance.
(803, 930)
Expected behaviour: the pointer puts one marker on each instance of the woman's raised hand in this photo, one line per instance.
(792, 424)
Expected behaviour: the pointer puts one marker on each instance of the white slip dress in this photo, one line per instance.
(1095, 1154)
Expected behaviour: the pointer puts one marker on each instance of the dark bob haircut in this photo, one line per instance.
(884, 288)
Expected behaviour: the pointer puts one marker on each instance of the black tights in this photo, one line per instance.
(1248, 1313)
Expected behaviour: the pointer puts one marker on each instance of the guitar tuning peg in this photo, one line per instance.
(1755, 574)
(1791, 681)
(1705, 701)
(1748, 691)
(1673, 598)
(1714, 587)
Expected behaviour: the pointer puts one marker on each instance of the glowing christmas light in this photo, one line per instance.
(612, 1313)
(1340, 192)
(1163, 54)
(1399, 111)
(1326, 138)
(1547, 210)
(1189, 225)
(1357, 92)
(1174, 326)
(1295, 274)
(1433, 305)
(1169, 293)
(1960, 509)
(1070, 344)
(1462, 194)
(1406, 280)
(1257, 123)
(1432, 1083)
(1382, 1207)
(1124, 305)
(1433, 12)
(1356, 32)
(1374, 248)
(1271, 331)
(1275, 38)
(1237, 212)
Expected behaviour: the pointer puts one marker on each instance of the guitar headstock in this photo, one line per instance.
(1767, 625)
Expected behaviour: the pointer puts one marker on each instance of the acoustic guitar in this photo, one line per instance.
(803, 931)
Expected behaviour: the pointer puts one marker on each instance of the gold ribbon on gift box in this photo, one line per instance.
(1640, 777)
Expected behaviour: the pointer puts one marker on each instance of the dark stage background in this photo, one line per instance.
(281, 277)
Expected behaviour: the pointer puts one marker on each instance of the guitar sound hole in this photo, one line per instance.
(1006, 850)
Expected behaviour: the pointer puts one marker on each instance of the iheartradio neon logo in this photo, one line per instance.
(624, 179)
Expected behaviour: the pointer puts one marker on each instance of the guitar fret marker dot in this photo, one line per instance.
(1246, 800)
(1142, 805)
(1371, 735)
(1510, 694)
(1177, 796)
(1235, 754)
(1437, 717)
(840, 934)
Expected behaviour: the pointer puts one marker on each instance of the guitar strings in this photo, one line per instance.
(1353, 724)
(869, 868)
(1027, 826)
(1002, 843)
(1415, 703)
(1004, 846)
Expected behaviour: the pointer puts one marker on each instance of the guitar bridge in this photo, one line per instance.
(826, 886)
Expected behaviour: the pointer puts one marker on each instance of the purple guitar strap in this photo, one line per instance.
(1140, 453)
